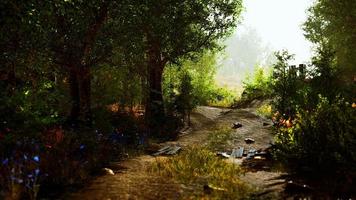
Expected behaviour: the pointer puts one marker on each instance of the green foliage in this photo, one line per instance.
(202, 87)
(330, 24)
(116, 85)
(257, 86)
(199, 166)
(185, 101)
(285, 85)
(321, 141)
(87, 54)
(265, 111)
(315, 118)
(222, 97)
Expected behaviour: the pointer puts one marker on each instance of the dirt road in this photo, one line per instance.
(131, 180)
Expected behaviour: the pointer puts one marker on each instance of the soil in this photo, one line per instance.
(131, 180)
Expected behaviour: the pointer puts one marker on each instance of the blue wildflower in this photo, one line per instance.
(82, 147)
(36, 158)
(5, 162)
(37, 171)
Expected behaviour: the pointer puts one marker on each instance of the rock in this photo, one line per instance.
(223, 154)
(236, 125)
(249, 140)
(108, 171)
(251, 154)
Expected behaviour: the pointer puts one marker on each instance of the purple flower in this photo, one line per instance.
(82, 147)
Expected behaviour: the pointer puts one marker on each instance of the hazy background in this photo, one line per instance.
(266, 26)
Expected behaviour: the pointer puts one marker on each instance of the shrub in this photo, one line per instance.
(222, 97)
(265, 111)
(256, 87)
(320, 141)
(56, 157)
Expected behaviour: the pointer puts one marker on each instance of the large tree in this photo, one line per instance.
(80, 36)
(332, 24)
(176, 29)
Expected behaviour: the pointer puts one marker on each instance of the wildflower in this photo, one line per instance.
(36, 158)
(82, 147)
(37, 171)
(5, 162)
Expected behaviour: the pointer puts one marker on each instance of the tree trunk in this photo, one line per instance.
(79, 86)
(75, 97)
(85, 91)
(154, 113)
(154, 105)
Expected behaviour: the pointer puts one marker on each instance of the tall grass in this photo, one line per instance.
(198, 167)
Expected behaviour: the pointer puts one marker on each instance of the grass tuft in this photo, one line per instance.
(218, 138)
(198, 167)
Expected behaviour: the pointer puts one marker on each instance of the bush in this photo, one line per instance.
(265, 111)
(256, 87)
(31, 164)
(320, 141)
(222, 97)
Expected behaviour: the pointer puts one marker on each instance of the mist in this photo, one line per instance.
(266, 27)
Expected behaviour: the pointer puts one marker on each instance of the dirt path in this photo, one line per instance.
(131, 181)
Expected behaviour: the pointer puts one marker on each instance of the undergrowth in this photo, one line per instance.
(218, 138)
(265, 111)
(199, 167)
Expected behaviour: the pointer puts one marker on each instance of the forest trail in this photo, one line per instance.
(132, 181)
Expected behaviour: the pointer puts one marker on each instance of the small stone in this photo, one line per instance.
(236, 125)
(265, 124)
(108, 171)
(249, 140)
